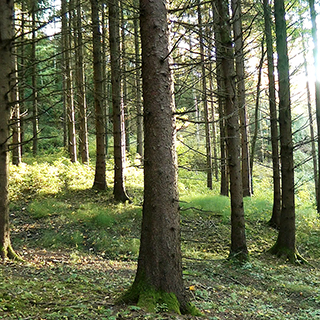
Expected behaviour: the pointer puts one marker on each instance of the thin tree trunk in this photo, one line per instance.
(224, 185)
(276, 210)
(238, 248)
(15, 118)
(241, 96)
(35, 119)
(204, 100)
(100, 171)
(80, 86)
(312, 136)
(317, 87)
(256, 112)
(138, 89)
(119, 191)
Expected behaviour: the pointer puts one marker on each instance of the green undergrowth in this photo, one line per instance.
(80, 249)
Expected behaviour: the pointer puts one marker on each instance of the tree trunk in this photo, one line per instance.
(276, 211)
(286, 241)
(6, 40)
(80, 86)
(241, 97)
(238, 249)
(35, 119)
(204, 100)
(100, 171)
(317, 87)
(312, 136)
(224, 185)
(138, 89)
(159, 274)
(119, 191)
(15, 118)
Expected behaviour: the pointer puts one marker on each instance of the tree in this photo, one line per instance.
(241, 96)
(159, 273)
(317, 87)
(276, 210)
(80, 86)
(119, 191)
(238, 248)
(286, 241)
(100, 171)
(6, 40)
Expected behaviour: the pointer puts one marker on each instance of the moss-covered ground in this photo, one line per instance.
(80, 250)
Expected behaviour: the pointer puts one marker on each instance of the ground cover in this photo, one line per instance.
(80, 251)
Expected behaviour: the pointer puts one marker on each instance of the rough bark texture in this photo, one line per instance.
(286, 241)
(241, 96)
(100, 172)
(159, 273)
(6, 39)
(238, 249)
(119, 142)
(276, 210)
(317, 86)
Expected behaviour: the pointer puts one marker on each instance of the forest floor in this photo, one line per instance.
(77, 259)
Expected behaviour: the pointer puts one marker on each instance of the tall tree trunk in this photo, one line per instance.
(100, 171)
(317, 86)
(159, 273)
(312, 136)
(256, 111)
(80, 86)
(6, 40)
(35, 119)
(138, 88)
(204, 100)
(286, 241)
(15, 118)
(241, 96)
(276, 210)
(68, 87)
(119, 191)
(224, 185)
(238, 249)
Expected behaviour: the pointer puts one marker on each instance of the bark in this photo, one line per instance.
(241, 96)
(286, 241)
(224, 185)
(6, 40)
(204, 100)
(119, 191)
(15, 118)
(159, 273)
(317, 86)
(256, 111)
(238, 249)
(276, 210)
(35, 119)
(100, 170)
(138, 89)
(67, 84)
(80, 86)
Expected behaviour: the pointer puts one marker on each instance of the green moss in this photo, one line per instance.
(291, 254)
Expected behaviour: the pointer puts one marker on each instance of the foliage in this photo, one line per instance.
(80, 249)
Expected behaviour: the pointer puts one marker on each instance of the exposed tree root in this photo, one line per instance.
(292, 255)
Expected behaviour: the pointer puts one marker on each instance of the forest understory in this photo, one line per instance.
(79, 251)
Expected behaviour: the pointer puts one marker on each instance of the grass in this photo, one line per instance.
(80, 250)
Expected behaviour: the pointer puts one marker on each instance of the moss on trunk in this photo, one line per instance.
(291, 254)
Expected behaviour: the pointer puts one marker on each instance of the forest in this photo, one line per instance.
(159, 159)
